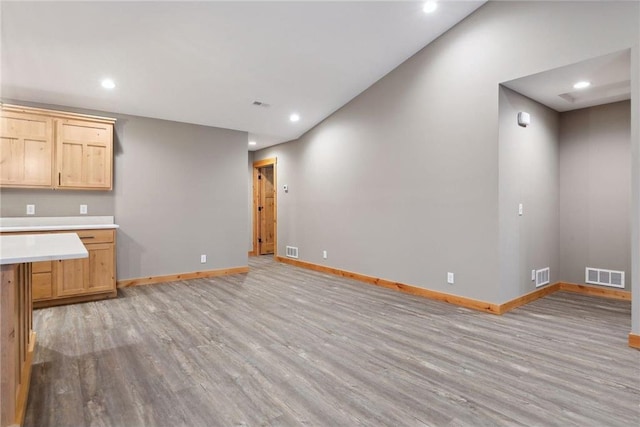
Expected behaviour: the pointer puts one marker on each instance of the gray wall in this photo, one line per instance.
(528, 159)
(179, 191)
(14, 201)
(595, 188)
(402, 182)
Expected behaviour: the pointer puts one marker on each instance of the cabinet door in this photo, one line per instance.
(84, 154)
(42, 286)
(70, 277)
(87, 275)
(101, 275)
(26, 150)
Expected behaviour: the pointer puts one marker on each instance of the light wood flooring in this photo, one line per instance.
(282, 346)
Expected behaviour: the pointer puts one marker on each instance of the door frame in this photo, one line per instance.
(273, 161)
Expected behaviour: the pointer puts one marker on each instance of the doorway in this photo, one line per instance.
(265, 211)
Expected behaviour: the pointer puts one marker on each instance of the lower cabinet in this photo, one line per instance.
(76, 280)
(41, 280)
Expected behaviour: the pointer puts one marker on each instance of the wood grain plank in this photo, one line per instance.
(288, 346)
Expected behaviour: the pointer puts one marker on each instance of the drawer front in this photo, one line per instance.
(42, 286)
(41, 267)
(95, 236)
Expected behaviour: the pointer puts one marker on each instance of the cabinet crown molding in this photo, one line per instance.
(55, 113)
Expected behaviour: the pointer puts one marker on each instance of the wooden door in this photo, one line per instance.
(26, 150)
(101, 267)
(84, 154)
(266, 210)
(70, 277)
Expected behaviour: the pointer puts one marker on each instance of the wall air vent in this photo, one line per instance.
(292, 252)
(542, 277)
(599, 276)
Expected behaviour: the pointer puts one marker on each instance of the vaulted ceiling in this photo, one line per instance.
(208, 62)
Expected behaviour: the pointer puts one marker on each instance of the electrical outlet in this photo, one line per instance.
(203, 259)
(450, 279)
(533, 275)
(31, 209)
(324, 254)
(83, 209)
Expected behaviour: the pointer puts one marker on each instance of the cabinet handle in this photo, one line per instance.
(59, 177)
(88, 237)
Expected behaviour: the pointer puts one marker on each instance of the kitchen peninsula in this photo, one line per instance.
(17, 339)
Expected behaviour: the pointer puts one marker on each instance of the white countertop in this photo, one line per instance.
(16, 224)
(16, 249)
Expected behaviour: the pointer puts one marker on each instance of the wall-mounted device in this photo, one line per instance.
(524, 119)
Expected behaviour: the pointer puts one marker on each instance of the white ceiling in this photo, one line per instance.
(206, 62)
(609, 75)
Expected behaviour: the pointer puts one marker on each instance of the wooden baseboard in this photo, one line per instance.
(634, 341)
(463, 301)
(595, 291)
(25, 380)
(409, 289)
(182, 276)
(527, 298)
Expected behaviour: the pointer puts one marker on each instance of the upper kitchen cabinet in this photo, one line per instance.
(55, 149)
(84, 153)
(26, 150)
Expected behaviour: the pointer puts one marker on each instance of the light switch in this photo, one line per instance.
(520, 209)
(450, 278)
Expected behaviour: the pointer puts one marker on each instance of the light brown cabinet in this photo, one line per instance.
(54, 149)
(76, 280)
(42, 280)
(69, 277)
(84, 153)
(100, 268)
(26, 150)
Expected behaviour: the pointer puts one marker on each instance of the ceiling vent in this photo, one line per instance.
(607, 93)
(261, 104)
(599, 276)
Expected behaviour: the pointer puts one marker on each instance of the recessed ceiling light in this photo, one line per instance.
(430, 7)
(581, 85)
(108, 84)
(252, 143)
(294, 117)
